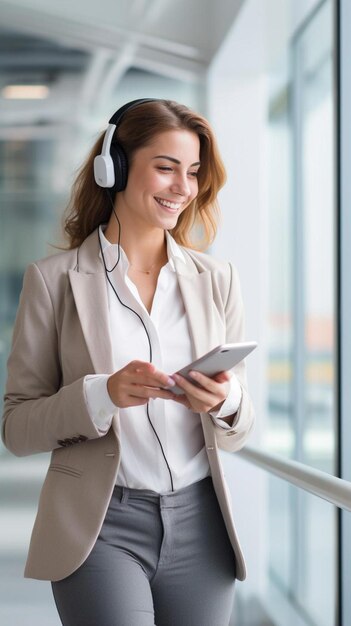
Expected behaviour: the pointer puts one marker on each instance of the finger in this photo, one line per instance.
(223, 377)
(207, 383)
(152, 378)
(193, 390)
(162, 393)
(140, 366)
(142, 391)
(132, 400)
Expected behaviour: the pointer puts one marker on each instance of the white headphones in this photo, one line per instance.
(111, 166)
(104, 171)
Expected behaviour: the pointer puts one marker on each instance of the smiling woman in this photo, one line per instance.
(139, 129)
(134, 523)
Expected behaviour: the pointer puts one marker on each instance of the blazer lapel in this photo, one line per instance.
(197, 293)
(88, 284)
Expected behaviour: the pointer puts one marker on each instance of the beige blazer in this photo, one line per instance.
(61, 334)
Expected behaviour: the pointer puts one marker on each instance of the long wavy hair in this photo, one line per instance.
(89, 205)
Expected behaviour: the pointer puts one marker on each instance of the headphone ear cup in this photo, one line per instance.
(120, 164)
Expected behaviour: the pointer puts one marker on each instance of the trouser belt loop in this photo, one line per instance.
(125, 495)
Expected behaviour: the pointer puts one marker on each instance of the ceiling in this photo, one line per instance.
(83, 50)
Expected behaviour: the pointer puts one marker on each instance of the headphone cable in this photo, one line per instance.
(107, 272)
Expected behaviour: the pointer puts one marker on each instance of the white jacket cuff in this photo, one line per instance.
(230, 404)
(100, 406)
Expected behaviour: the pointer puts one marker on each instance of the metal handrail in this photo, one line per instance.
(335, 490)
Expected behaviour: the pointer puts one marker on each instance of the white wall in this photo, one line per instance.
(236, 108)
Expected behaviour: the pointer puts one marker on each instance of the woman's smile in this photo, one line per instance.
(170, 205)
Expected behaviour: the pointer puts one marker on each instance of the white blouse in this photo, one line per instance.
(179, 429)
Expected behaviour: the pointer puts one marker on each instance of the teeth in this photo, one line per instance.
(170, 205)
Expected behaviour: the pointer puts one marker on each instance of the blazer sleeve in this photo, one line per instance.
(40, 413)
(234, 438)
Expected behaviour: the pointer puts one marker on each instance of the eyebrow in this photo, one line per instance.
(164, 156)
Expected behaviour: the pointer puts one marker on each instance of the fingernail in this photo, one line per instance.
(170, 382)
(193, 374)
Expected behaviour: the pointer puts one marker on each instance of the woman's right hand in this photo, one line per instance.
(136, 383)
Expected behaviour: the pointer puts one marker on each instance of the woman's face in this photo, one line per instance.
(162, 180)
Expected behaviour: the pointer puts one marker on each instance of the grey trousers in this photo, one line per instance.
(159, 560)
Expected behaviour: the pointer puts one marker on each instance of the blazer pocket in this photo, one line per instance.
(65, 469)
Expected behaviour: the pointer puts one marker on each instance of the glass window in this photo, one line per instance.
(302, 250)
(303, 321)
(315, 245)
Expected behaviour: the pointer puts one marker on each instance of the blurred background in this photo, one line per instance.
(272, 78)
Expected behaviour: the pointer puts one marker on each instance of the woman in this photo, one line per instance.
(134, 525)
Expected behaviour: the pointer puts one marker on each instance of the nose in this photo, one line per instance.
(180, 184)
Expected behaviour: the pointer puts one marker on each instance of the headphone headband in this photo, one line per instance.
(117, 116)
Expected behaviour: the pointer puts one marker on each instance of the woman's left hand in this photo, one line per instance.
(209, 397)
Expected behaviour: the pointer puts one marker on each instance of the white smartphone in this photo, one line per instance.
(220, 359)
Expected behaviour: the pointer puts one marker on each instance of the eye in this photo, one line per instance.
(194, 174)
(164, 168)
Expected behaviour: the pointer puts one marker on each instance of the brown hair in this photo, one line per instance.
(88, 206)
